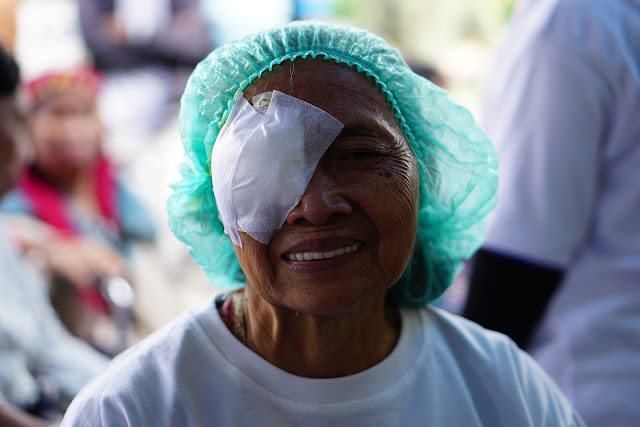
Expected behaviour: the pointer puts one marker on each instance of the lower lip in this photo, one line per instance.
(310, 266)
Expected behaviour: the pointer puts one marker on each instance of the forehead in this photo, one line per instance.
(346, 94)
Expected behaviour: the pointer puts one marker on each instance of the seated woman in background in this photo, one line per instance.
(350, 189)
(72, 188)
(42, 366)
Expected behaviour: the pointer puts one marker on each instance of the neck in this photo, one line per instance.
(322, 346)
(71, 181)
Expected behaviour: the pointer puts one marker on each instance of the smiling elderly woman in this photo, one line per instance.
(340, 192)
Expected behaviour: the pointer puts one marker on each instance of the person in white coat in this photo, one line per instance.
(560, 269)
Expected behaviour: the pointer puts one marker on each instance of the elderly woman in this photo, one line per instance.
(350, 189)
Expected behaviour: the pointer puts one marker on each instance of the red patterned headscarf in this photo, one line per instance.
(81, 78)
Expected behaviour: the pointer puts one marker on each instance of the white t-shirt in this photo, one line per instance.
(444, 371)
(563, 108)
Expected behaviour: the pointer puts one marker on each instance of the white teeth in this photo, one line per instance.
(330, 254)
(308, 256)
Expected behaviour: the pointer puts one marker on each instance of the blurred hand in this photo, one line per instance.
(82, 260)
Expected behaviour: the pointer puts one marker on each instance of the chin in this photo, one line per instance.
(334, 299)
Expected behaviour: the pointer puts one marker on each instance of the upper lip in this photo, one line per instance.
(321, 244)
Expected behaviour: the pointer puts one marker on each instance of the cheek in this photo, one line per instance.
(395, 188)
(88, 127)
(394, 213)
(40, 145)
(386, 192)
(404, 194)
(256, 264)
(41, 134)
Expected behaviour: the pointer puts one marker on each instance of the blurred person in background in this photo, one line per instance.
(42, 366)
(146, 50)
(72, 189)
(560, 269)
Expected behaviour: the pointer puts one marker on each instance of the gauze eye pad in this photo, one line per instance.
(263, 160)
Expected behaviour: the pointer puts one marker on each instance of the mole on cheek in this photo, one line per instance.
(386, 174)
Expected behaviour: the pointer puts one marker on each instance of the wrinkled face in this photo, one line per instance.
(352, 234)
(14, 144)
(66, 134)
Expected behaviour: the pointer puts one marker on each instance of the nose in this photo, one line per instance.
(321, 201)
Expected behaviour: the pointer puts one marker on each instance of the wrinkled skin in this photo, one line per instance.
(364, 190)
(328, 317)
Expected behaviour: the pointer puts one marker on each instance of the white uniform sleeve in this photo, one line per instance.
(545, 114)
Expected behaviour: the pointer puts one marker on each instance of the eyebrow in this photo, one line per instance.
(364, 129)
(367, 129)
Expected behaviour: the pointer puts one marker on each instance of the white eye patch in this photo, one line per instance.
(263, 160)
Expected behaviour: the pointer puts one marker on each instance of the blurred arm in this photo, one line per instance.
(105, 37)
(12, 416)
(79, 260)
(186, 41)
(509, 295)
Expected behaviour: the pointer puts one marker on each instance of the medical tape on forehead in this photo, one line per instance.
(263, 160)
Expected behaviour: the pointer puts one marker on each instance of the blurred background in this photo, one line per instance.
(145, 50)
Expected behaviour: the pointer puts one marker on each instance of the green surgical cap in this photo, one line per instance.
(458, 177)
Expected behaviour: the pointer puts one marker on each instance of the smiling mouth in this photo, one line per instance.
(310, 256)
